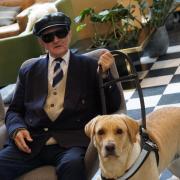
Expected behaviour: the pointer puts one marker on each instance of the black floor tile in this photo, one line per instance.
(161, 72)
(150, 91)
(143, 67)
(171, 56)
(169, 99)
(175, 79)
(136, 113)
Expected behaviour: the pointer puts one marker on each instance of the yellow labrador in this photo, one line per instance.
(117, 140)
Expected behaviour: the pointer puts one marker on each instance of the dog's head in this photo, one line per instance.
(112, 133)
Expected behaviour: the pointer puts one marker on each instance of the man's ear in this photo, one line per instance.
(90, 127)
(133, 127)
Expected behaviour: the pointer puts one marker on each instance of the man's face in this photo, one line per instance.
(58, 45)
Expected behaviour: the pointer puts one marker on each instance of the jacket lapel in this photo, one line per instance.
(42, 79)
(74, 81)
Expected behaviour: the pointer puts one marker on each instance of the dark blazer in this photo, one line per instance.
(81, 102)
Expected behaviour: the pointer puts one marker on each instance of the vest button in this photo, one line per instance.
(46, 129)
(52, 105)
(54, 93)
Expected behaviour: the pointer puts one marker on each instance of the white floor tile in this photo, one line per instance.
(128, 93)
(156, 81)
(150, 101)
(166, 64)
(178, 70)
(173, 49)
(172, 88)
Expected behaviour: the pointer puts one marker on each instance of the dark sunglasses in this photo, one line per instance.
(49, 37)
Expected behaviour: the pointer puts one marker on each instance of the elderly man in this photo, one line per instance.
(56, 95)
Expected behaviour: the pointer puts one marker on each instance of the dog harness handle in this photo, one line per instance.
(102, 94)
(132, 76)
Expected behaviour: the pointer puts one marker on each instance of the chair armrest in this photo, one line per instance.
(22, 19)
(3, 135)
(2, 110)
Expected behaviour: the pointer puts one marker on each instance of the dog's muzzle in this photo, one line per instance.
(110, 149)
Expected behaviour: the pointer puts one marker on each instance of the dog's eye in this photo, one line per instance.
(119, 131)
(100, 132)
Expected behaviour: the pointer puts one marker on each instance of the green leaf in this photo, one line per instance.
(80, 27)
(83, 14)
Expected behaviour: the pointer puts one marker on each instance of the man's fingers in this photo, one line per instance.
(106, 60)
(22, 145)
(27, 136)
(20, 138)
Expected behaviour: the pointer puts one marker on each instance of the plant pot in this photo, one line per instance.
(158, 44)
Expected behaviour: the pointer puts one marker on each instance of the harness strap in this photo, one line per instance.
(148, 144)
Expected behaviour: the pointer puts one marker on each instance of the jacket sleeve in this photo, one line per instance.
(15, 114)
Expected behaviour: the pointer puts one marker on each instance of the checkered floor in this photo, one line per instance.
(160, 82)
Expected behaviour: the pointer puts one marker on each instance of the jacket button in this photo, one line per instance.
(83, 101)
(30, 120)
(46, 129)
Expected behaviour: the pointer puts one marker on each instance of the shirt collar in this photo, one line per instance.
(66, 58)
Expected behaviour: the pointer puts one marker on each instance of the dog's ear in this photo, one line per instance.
(133, 128)
(89, 128)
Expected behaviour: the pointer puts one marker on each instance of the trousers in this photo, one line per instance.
(69, 162)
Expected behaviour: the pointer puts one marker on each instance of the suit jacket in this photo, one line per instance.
(81, 102)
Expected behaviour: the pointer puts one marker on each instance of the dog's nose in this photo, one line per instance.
(110, 147)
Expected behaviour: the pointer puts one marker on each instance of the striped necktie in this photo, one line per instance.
(58, 72)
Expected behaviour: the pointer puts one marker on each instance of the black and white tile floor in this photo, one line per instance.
(160, 83)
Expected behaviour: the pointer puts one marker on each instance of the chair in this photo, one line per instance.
(2, 111)
(13, 25)
(91, 158)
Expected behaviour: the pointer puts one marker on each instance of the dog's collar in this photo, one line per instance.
(147, 146)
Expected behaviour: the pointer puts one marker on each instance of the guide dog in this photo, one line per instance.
(118, 143)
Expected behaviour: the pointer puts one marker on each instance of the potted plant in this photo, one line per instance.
(120, 24)
(159, 13)
(121, 29)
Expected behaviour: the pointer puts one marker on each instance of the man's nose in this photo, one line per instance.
(56, 39)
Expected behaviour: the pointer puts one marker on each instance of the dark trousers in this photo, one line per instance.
(69, 163)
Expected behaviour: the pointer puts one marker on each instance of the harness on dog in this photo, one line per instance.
(147, 145)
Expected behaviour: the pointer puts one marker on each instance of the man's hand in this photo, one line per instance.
(20, 139)
(106, 60)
